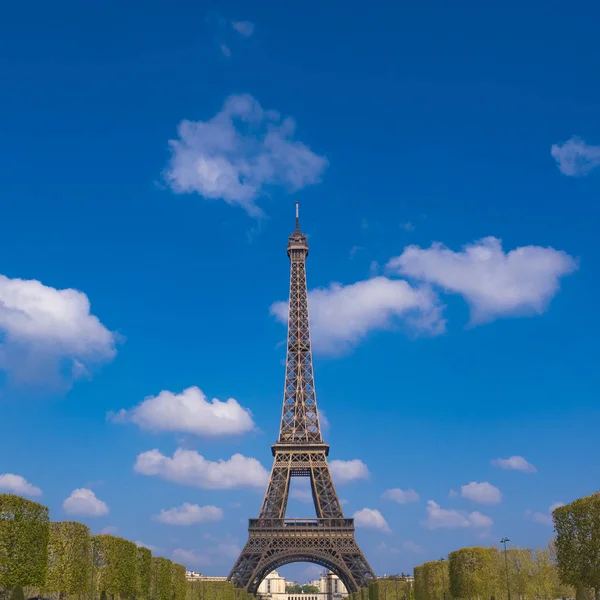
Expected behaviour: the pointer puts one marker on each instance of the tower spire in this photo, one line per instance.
(297, 217)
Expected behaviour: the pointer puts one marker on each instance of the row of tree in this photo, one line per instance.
(568, 568)
(63, 559)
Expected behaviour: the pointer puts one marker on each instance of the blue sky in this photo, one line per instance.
(445, 160)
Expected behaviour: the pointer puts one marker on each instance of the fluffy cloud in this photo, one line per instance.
(187, 467)
(412, 547)
(48, 333)
(191, 558)
(300, 490)
(245, 28)
(494, 283)
(514, 463)
(189, 514)
(341, 316)
(189, 412)
(401, 496)
(545, 518)
(239, 152)
(484, 493)
(84, 502)
(148, 546)
(575, 157)
(442, 518)
(15, 484)
(344, 471)
(370, 518)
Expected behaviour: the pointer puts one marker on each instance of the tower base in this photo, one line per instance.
(326, 542)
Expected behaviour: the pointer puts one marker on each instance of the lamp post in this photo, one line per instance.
(504, 541)
(444, 577)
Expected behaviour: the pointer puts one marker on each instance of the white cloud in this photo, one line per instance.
(479, 520)
(484, 493)
(187, 467)
(238, 153)
(443, 518)
(545, 518)
(48, 333)
(300, 490)
(191, 558)
(84, 502)
(370, 519)
(514, 463)
(148, 546)
(245, 28)
(15, 484)
(412, 547)
(225, 50)
(189, 514)
(323, 420)
(386, 549)
(110, 530)
(401, 496)
(575, 157)
(341, 316)
(494, 283)
(344, 471)
(188, 412)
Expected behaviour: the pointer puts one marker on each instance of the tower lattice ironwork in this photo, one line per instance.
(300, 451)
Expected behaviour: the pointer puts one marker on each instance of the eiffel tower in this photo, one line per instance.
(300, 451)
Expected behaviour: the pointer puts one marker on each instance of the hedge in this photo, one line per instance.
(116, 566)
(143, 574)
(24, 531)
(162, 575)
(69, 564)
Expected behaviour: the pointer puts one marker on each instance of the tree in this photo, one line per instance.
(577, 528)
(161, 579)
(178, 581)
(436, 580)
(473, 573)
(143, 574)
(419, 587)
(310, 589)
(69, 562)
(24, 534)
(116, 566)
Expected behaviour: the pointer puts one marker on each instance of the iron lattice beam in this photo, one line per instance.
(300, 452)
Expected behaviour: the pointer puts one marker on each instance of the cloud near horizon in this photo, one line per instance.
(442, 518)
(83, 502)
(16, 484)
(239, 153)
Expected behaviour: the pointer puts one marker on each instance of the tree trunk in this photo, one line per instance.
(597, 593)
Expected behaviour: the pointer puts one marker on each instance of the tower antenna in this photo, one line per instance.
(298, 216)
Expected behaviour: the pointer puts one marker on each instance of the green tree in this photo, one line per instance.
(24, 534)
(577, 528)
(436, 580)
(161, 579)
(473, 573)
(419, 585)
(310, 589)
(69, 562)
(178, 581)
(116, 566)
(143, 574)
